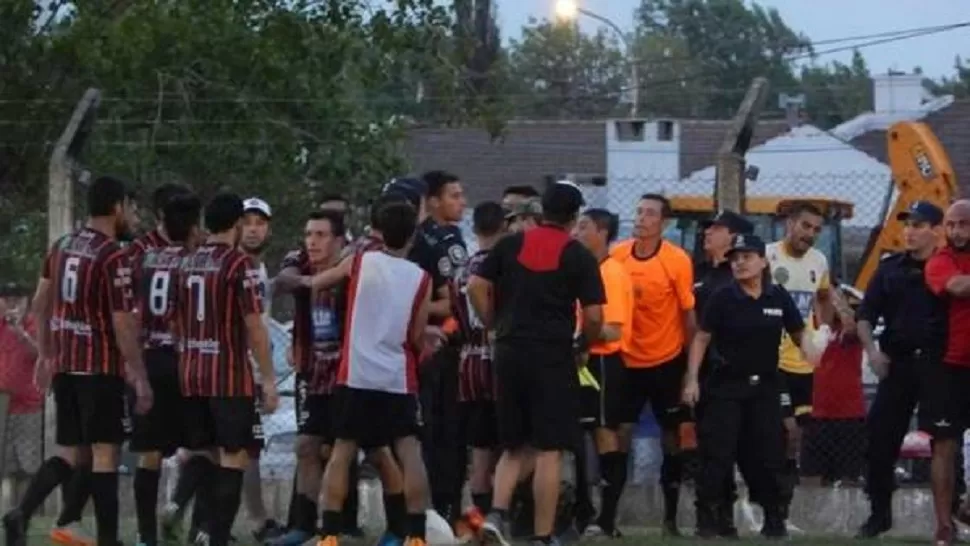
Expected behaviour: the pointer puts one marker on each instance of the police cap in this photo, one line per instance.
(412, 189)
(746, 242)
(734, 222)
(922, 211)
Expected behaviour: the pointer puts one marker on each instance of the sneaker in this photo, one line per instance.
(268, 531)
(415, 541)
(388, 539)
(72, 534)
(15, 528)
(169, 521)
(294, 537)
(669, 529)
(594, 531)
(329, 540)
(200, 538)
(494, 531)
(874, 526)
(553, 541)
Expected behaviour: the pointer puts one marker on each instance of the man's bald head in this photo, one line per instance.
(957, 225)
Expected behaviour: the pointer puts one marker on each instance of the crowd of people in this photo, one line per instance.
(446, 369)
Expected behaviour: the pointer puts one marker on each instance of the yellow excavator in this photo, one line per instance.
(921, 170)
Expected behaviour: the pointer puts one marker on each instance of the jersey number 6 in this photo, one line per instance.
(69, 279)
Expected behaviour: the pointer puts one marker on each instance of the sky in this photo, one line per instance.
(819, 20)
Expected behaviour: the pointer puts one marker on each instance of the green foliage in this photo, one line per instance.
(837, 92)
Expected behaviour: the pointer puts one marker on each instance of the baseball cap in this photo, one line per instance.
(747, 242)
(562, 197)
(412, 189)
(922, 211)
(527, 207)
(734, 222)
(255, 204)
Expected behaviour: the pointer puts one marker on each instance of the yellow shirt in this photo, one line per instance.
(663, 288)
(804, 278)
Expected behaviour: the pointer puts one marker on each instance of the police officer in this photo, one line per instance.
(744, 320)
(909, 350)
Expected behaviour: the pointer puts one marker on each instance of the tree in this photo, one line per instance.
(958, 85)
(557, 71)
(277, 98)
(836, 92)
(727, 43)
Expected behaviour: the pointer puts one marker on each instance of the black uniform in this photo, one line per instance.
(440, 250)
(741, 396)
(913, 339)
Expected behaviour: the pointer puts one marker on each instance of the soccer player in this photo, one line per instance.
(536, 278)
(157, 434)
(476, 388)
(219, 318)
(597, 228)
(376, 403)
(257, 216)
(663, 324)
(316, 353)
(88, 340)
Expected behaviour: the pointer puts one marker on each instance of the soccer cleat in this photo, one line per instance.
(494, 531)
(15, 529)
(669, 529)
(200, 538)
(389, 539)
(594, 531)
(72, 534)
(268, 531)
(169, 521)
(415, 541)
(295, 537)
(329, 540)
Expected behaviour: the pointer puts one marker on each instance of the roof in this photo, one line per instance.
(951, 126)
(872, 121)
(808, 161)
(532, 150)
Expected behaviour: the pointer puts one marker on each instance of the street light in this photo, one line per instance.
(569, 10)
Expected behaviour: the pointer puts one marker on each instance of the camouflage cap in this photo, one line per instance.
(528, 207)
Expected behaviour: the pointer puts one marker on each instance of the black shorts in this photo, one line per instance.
(946, 414)
(834, 449)
(374, 418)
(611, 400)
(800, 391)
(479, 424)
(537, 395)
(661, 386)
(161, 428)
(230, 423)
(313, 414)
(91, 409)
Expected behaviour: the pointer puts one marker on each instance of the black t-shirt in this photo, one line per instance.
(440, 251)
(538, 277)
(746, 331)
(708, 278)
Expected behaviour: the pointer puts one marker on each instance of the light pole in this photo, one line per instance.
(569, 10)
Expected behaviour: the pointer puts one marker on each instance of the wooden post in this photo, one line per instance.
(64, 165)
(729, 191)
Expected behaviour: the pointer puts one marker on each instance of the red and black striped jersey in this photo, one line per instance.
(217, 288)
(154, 280)
(475, 379)
(364, 243)
(90, 278)
(317, 329)
(151, 240)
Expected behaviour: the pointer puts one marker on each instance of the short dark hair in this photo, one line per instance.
(488, 218)
(104, 194)
(804, 207)
(561, 203)
(604, 220)
(437, 180)
(665, 209)
(164, 193)
(180, 214)
(385, 199)
(336, 220)
(524, 191)
(223, 211)
(398, 222)
(333, 197)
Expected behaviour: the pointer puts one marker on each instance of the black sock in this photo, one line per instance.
(613, 472)
(332, 521)
(104, 492)
(670, 474)
(193, 472)
(201, 508)
(74, 496)
(482, 501)
(416, 525)
(584, 500)
(291, 513)
(545, 539)
(396, 513)
(226, 495)
(305, 515)
(54, 472)
(352, 502)
(146, 503)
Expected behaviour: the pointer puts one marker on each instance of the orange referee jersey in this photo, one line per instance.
(663, 288)
(619, 305)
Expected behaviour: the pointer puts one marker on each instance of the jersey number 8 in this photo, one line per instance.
(158, 293)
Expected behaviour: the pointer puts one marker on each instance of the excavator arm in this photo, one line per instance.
(921, 170)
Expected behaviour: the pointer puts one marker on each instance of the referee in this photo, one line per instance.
(535, 278)
(744, 320)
